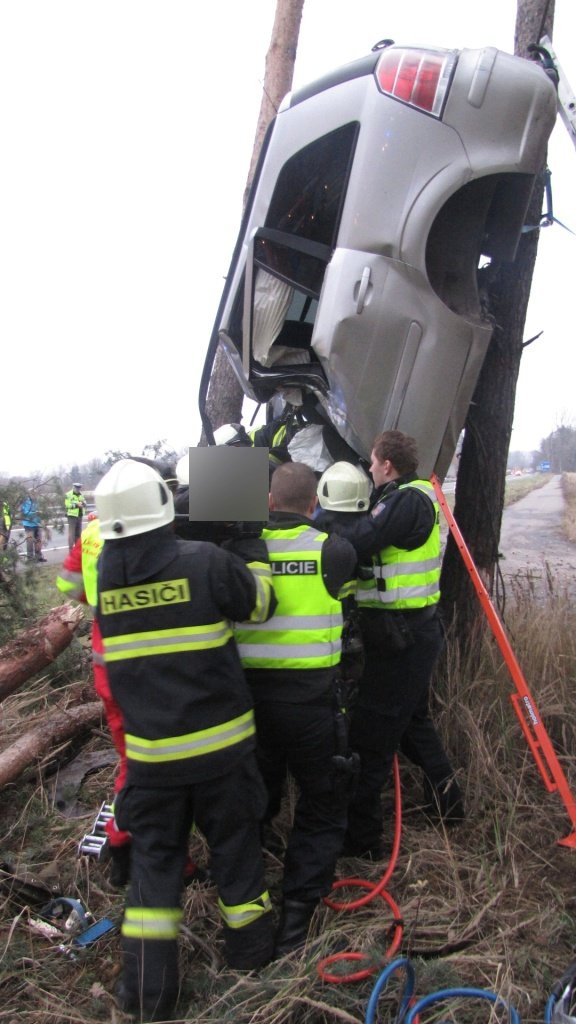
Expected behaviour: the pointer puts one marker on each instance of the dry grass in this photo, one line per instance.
(569, 492)
(490, 903)
(518, 487)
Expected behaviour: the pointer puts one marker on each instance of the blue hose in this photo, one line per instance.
(550, 1004)
(459, 993)
(380, 983)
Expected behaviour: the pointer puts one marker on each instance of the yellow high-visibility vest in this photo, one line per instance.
(405, 579)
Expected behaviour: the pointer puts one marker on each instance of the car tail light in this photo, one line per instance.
(419, 78)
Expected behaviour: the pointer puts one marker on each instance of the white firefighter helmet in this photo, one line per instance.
(232, 434)
(344, 488)
(183, 470)
(132, 498)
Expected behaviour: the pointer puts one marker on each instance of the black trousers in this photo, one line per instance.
(392, 713)
(228, 810)
(301, 739)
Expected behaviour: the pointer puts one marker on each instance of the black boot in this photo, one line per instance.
(445, 801)
(293, 926)
(250, 947)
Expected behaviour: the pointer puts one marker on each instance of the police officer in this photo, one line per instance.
(164, 607)
(75, 506)
(400, 541)
(291, 663)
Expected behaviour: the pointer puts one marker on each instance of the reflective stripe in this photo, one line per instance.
(278, 623)
(347, 590)
(405, 579)
(97, 658)
(398, 593)
(300, 543)
(292, 641)
(151, 923)
(405, 568)
(245, 913)
(194, 744)
(293, 654)
(262, 574)
(166, 641)
(71, 584)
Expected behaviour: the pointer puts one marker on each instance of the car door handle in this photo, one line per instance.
(363, 286)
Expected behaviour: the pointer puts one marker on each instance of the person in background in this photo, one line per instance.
(32, 523)
(164, 610)
(292, 663)
(5, 524)
(398, 540)
(75, 505)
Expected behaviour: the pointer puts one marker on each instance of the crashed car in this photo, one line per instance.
(381, 190)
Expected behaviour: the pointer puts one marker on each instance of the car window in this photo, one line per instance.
(290, 252)
(310, 188)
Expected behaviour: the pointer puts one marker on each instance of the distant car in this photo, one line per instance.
(380, 188)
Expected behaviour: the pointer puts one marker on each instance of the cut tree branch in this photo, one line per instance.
(37, 647)
(62, 725)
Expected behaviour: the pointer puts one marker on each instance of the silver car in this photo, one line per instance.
(381, 190)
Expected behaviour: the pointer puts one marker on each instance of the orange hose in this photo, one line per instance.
(374, 889)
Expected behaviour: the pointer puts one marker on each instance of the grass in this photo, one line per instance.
(489, 904)
(569, 492)
(518, 487)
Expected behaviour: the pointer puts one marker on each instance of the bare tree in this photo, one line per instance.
(482, 468)
(225, 396)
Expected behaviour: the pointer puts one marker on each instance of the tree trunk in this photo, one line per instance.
(62, 725)
(481, 475)
(37, 647)
(225, 396)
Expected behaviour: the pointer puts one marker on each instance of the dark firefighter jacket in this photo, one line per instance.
(164, 609)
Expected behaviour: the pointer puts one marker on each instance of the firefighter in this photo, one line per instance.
(291, 664)
(399, 542)
(75, 507)
(164, 607)
(344, 494)
(302, 412)
(273, 435)
(77, 580)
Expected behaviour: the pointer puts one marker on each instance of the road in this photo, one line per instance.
(535, 553)
(54, 547)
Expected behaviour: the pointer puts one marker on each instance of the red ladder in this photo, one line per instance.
(522, 701)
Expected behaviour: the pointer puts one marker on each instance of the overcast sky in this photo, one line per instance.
(127, 128)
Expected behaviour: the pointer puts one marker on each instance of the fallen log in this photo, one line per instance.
(58, 727)
(37, 647)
